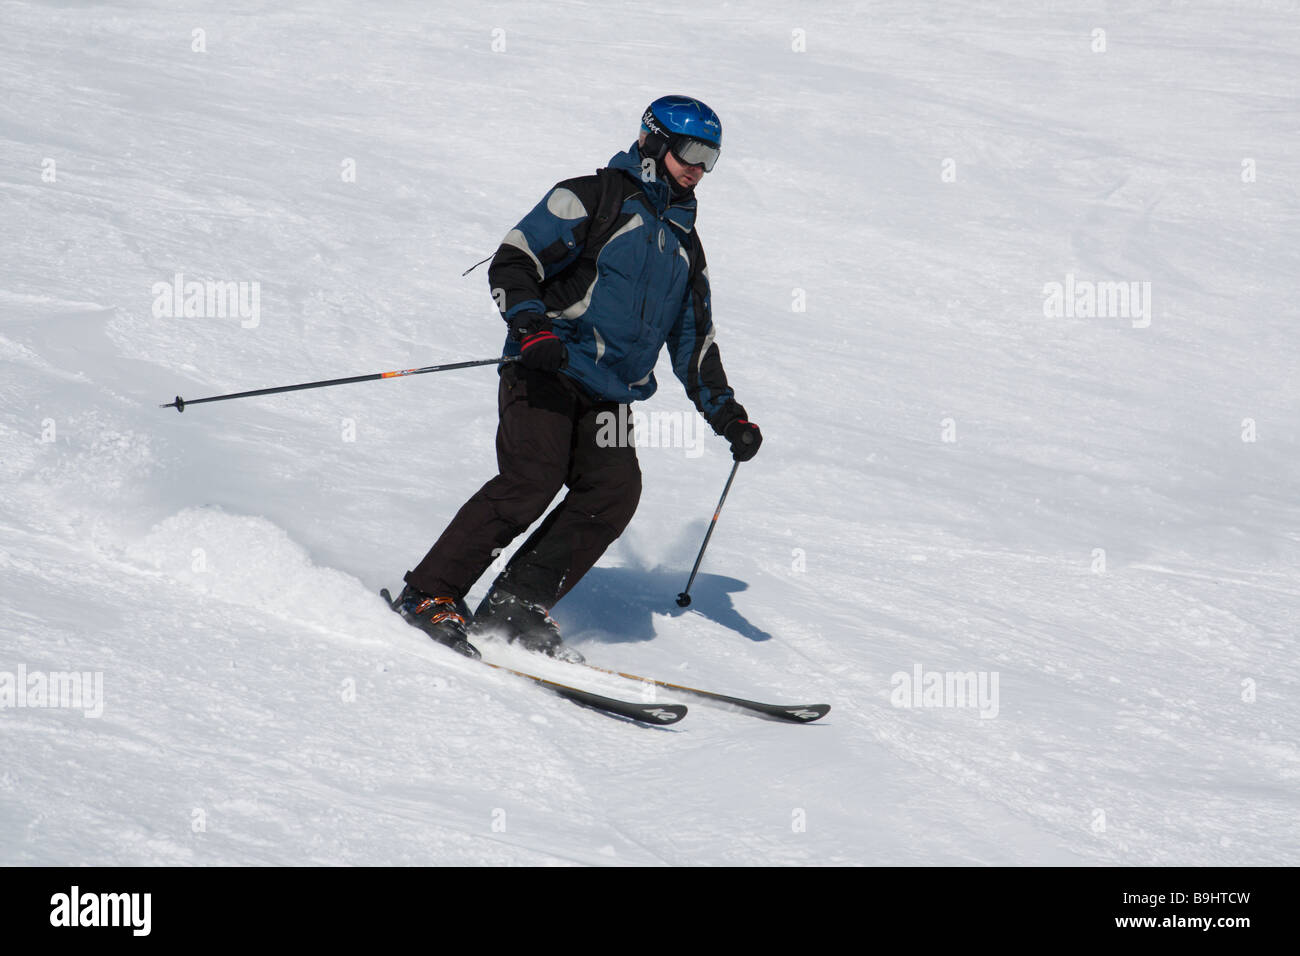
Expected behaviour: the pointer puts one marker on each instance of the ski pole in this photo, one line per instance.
(180, 403)
(684, 599)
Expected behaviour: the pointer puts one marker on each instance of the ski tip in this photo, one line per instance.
(806, 713)
(661, 715)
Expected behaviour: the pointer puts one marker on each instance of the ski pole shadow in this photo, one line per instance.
(617, 605)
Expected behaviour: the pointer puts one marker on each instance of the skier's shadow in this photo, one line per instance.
(617, 605)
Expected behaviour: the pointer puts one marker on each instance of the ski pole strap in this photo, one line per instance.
(477, 264)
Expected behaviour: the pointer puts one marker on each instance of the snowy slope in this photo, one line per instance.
(1101, 512)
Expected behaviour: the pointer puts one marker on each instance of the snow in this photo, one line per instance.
(1099, 511)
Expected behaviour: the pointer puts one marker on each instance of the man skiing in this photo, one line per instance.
(592, 283)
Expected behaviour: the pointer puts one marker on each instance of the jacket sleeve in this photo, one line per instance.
(544, 243)
(696, 359)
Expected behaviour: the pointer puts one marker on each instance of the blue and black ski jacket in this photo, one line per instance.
(642, 282)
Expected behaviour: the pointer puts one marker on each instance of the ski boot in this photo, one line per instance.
(524, 623)
(442, 618)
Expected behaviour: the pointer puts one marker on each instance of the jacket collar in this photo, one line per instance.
(681, 212)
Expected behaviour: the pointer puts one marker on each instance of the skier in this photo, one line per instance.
(589, 300)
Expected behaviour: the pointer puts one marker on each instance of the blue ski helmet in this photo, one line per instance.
(684, 126)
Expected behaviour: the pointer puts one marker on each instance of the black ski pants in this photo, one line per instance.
(547, 438)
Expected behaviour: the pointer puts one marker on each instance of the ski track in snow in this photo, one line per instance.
(220, 567)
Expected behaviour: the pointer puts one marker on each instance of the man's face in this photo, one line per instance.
(686, 176)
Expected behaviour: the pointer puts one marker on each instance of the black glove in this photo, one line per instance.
(744, 437)
(539, 348)
(544, 352)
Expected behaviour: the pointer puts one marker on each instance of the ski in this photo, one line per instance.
(659, 715)
(795, 713)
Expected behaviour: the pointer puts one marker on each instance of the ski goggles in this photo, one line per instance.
(695, 152)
